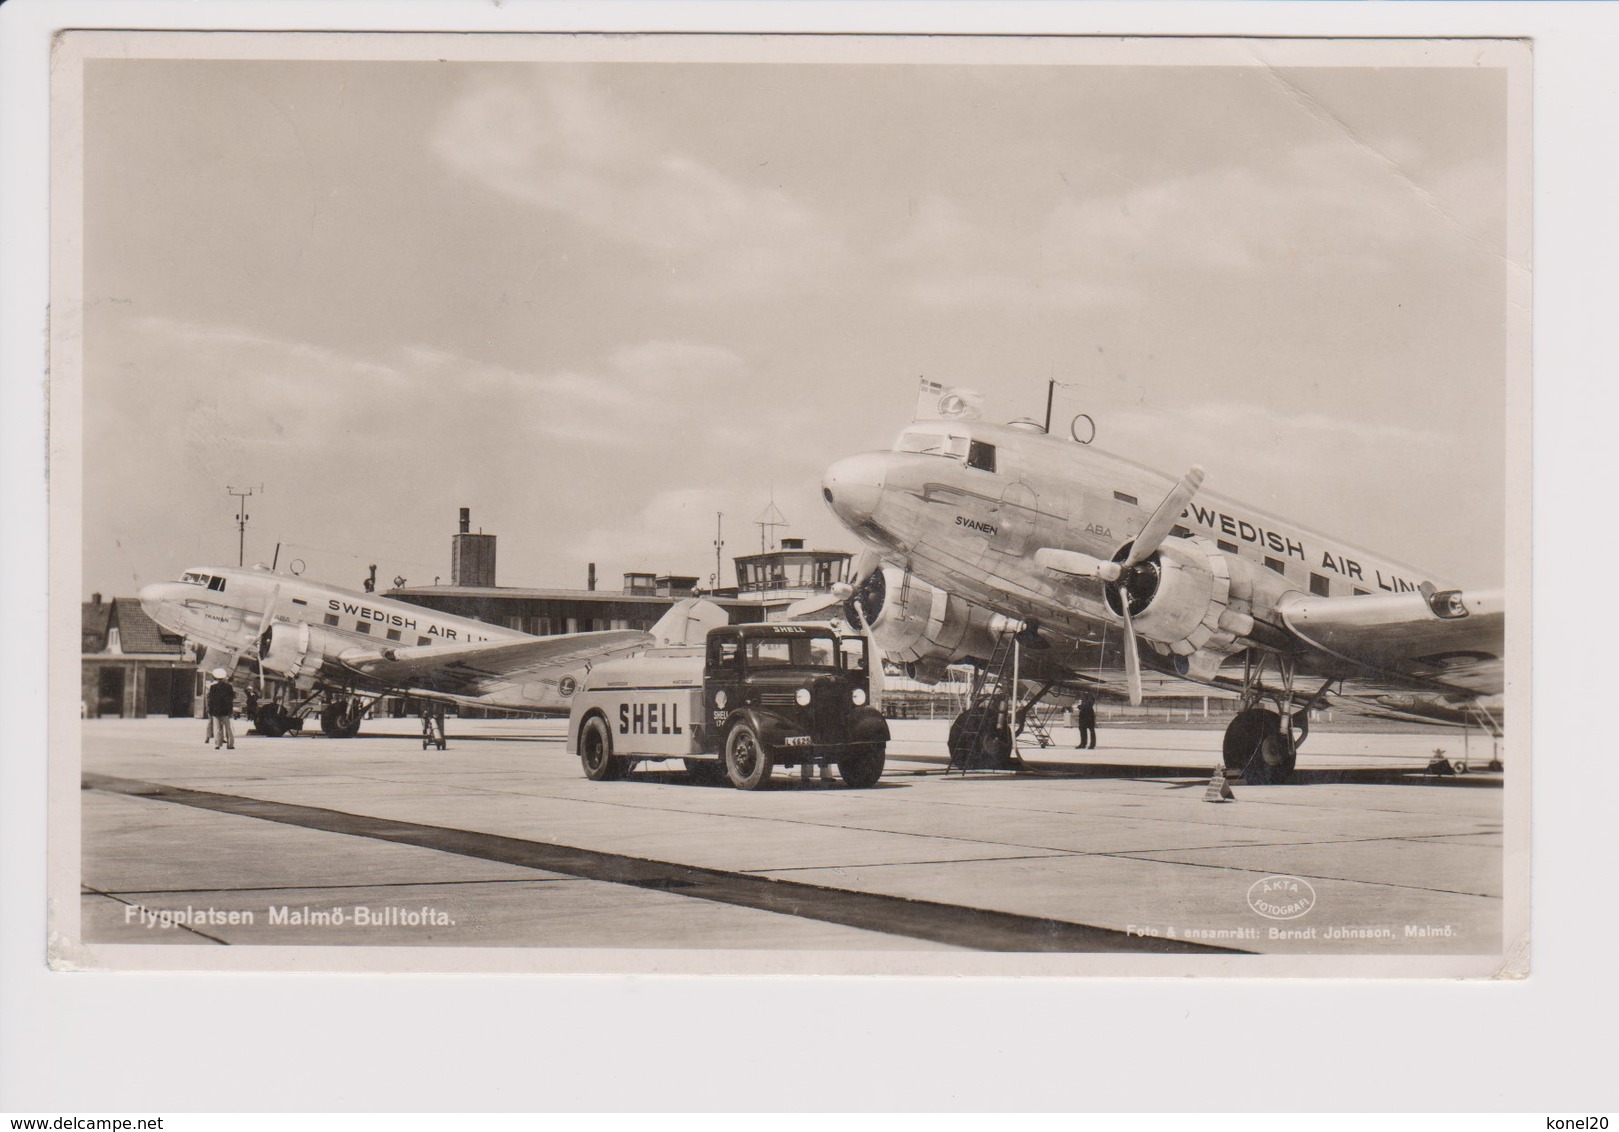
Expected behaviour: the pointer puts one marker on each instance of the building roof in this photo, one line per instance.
(137, 633)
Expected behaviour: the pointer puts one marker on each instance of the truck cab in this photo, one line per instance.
(758, 697)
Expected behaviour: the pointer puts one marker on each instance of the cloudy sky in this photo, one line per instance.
(599, 303)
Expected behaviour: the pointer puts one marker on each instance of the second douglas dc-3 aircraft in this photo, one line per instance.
(348, 649)
(980, 535)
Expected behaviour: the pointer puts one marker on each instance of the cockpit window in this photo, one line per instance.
(216, 583)
(981, 456)
(950, 444)
(212, 581)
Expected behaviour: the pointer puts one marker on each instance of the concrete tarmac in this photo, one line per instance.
(501, 841)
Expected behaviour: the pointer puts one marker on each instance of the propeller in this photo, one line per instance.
(1135, 569)
(874, 655)
(816, 605)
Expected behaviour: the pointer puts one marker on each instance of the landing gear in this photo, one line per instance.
(272, 720)
(978, 739)
(340, 719)
(1259, 748)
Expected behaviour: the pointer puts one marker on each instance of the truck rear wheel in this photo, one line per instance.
(596, 751)
(862, 768)
(747, 761)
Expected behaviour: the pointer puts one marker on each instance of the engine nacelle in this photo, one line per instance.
(297, 650)
(1201, 603)
(921, 624)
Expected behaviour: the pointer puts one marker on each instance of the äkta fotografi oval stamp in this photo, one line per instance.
(1281, 898)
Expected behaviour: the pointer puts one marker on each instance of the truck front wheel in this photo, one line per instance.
(747, 761)
(862, 767)
(596, 751)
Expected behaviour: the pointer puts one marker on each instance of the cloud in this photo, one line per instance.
(555, 143)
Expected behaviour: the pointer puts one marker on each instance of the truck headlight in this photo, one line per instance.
(859, 697)
(802, 696)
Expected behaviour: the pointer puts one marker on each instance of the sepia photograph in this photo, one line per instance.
(774, 504)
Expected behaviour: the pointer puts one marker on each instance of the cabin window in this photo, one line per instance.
(393, 634)
(1318, 586)
(362, 626)
(1179, 531)
(1126, 497)
(1228, 547)
(424, 640)
(952, 445)
(981, 456)
(331, 619)
(299, 601)
(1275, 564)
(1362, 593)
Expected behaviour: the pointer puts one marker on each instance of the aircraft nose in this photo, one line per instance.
(151, 599)
(854, 486)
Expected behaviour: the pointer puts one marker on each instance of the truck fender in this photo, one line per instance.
(767, 725)
(868, 726)
(576, 724)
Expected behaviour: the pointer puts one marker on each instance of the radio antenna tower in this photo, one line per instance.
(719, 544)
(770, 518)
(242, 495)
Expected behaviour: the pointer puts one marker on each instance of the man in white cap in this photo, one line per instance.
(221, 699)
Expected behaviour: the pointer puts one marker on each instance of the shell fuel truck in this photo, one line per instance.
(751, 698)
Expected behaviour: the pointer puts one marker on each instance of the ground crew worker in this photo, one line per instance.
(221, 699)
(1085, 720)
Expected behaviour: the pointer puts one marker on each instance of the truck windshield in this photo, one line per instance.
(797, 652)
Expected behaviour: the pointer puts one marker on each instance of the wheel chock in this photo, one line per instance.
(1219, 789)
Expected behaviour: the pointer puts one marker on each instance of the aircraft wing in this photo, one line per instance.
(479, 669)
(1450, 640)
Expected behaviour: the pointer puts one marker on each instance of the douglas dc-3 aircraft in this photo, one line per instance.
(351, 648)
(979, 534)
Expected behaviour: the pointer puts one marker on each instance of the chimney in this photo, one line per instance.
(95, 599)
(590, 577)
(472, 556)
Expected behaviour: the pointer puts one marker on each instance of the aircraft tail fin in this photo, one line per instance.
(688, 622)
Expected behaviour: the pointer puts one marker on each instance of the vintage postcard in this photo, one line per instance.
(780, 504)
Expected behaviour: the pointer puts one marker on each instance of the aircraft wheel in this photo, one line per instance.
(340, 720)
(270, 721)
(1257, 748)
(747, 761)
(707, 772)
(596, 751)
(862, 768)
(977, 729)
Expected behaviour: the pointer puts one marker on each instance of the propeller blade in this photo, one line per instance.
(816, 604)
(1160, 521)
(874, 657)
(1132, 654)
(1077, 564)
(868, 561)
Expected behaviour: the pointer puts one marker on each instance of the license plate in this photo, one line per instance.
(796, 741)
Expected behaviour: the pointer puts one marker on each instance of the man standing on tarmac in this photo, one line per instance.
(1085, 720)
(221, 699)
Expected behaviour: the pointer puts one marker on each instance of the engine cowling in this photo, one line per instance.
(919, 624)
(297, 649)
(1194, 602)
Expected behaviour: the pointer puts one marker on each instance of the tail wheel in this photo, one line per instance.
(1258, 748)
(596, 751)
(862, 768)
(269, 720)
(748, 762)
